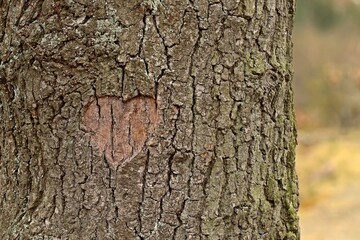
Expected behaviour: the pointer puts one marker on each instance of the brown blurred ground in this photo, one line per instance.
(329, 174)
(327, 103)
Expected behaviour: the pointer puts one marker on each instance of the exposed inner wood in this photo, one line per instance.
(120, 129)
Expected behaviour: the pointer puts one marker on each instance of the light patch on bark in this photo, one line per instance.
(153, 4)
(118, 129)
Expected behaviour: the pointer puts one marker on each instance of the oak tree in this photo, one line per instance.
(147, 119)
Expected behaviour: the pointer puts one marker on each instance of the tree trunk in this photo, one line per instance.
(147, 120)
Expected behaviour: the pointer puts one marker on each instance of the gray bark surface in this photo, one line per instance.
(210, 154)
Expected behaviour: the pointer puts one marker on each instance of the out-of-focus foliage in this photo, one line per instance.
(322, 14)
(327, 63)
(327, 104)
(327, 14)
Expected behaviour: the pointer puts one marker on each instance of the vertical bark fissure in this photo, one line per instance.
(112, 134)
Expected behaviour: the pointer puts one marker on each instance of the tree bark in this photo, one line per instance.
(147, 120)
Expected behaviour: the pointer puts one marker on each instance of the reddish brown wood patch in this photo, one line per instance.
(120, 129)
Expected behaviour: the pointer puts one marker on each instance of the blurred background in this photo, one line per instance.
(327, 103)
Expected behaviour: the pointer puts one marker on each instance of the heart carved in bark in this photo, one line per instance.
(118, 129)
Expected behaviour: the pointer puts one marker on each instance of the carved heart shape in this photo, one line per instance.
(120, 129)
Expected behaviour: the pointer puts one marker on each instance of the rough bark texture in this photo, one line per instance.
(203, 88)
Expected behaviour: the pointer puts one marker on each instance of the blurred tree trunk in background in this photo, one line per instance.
(147, 120)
